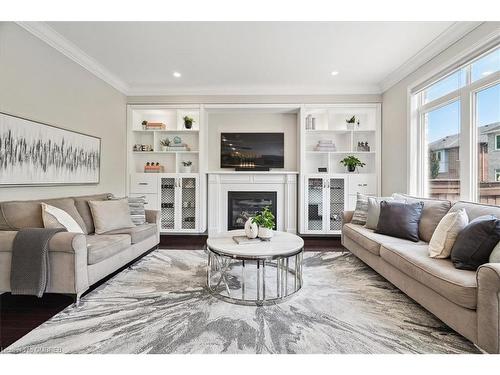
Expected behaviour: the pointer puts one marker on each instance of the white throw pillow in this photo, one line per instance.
(446, 233)
(54, 217)
(495, 254)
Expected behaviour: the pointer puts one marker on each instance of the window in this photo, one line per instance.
(455, 134)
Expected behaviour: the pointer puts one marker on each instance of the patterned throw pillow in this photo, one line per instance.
(361, 210)
(137, 211)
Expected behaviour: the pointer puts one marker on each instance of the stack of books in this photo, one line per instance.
(178, 147)
(325, 145)
(155, 126)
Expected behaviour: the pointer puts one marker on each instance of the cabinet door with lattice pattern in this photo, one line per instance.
(168, 203)
(315, 203)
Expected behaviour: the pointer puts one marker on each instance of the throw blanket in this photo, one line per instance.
(29, 271)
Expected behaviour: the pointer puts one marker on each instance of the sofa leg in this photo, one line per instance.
(76, 302)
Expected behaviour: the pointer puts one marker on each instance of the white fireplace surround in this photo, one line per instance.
(283, 183)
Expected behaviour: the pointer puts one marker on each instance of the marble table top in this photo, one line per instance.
(281, 244)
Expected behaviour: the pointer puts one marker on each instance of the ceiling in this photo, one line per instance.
(139, 58)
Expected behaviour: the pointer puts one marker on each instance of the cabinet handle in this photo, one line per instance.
(143, 183)
(360, 184)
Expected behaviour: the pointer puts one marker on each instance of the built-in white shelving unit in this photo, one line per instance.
(174, 191)
(326, 188)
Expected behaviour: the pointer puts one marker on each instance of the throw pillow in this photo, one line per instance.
(136, 208)
(399, 219)
(374, 211)
(361, 210)
(110, 215)
(495, 254)
(476, 242)
(432, 213)
(54, 217)
(446, 233)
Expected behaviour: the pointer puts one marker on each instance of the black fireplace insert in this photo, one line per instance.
(244, 204)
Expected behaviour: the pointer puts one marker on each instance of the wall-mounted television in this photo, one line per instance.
(252, 150)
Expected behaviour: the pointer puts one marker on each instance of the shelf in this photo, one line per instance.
(165, 152)
(168, 131)
(341, 152)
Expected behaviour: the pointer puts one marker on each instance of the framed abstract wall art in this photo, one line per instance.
(34, 153)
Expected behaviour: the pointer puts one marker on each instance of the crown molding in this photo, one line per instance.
(344, 89)
(444, 40)
(47, 34)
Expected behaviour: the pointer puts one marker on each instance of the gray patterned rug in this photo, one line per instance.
(159, 305)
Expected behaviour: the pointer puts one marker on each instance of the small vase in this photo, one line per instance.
(265, 234)
(351, 169)
(251, 229)
(188, 124)
(186, 169)
(164, 148)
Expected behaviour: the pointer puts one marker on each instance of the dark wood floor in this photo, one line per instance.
(21, 314)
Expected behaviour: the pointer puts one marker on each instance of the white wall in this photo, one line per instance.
(37, 82)
(253, 122)
(395, 111)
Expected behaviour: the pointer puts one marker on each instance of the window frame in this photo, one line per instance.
(416, 139)
(497, 138)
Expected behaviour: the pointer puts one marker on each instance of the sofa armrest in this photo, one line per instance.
(488, 307)
(153, 216)
(6, 240)
(347, 216)
(61, 242)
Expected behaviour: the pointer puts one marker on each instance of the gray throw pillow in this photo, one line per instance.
(374, 211)
(361, 210)
(110, 215)
(398, 219)
(476, 242)
(432, 213)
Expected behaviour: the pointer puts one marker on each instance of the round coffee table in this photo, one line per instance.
(256, 273)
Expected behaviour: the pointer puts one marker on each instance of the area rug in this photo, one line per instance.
(160, 305)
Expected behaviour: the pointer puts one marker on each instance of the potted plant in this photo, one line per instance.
(186, 166)
(164, 143)
(144, 125)
(350, 123)
(265, 221)
(188, 122)
(352, 162)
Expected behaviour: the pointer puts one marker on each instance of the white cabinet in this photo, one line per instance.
(179, 200)
(324, 202)
(363, 183)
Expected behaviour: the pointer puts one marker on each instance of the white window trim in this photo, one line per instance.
(417, 161)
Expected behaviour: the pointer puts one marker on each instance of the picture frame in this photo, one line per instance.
(34, 153)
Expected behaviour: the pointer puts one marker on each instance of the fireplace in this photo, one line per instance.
(244, 204)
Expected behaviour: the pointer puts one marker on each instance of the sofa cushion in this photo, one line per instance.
(458, 286)
(370, 240)
(432, 213)
(82, 205)
(138, 233)
(28, 214)
(475, 210)
(100, 247)
(110, 215)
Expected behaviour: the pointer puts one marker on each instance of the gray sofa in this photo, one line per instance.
(76, 260)
(467, 301)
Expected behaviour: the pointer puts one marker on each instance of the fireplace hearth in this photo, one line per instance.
(245, 204)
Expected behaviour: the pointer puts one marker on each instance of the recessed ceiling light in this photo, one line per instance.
(176, 74)
(334, 73)
(487, 73)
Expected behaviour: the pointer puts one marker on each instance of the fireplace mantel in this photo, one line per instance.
(221, 183)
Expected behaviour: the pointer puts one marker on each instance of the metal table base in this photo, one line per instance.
(274, 278)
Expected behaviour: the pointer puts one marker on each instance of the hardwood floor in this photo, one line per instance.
(21, 314)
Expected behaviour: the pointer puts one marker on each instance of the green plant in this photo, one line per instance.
(352, 120)
(188, 119)
(165, 142)
(187, 163)
(352, 162)
(264, 219)
(144, 123)
(434, 165)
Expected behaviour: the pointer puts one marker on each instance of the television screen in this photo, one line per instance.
(252, 150)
